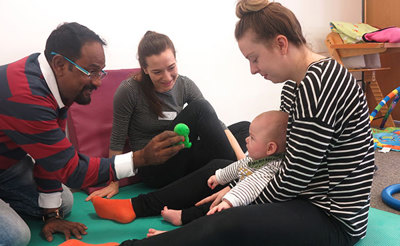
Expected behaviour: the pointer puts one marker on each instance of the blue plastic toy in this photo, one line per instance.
(387, 196)
(183, 130)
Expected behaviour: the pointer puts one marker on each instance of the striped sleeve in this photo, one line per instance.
(230, 172)
(31, 119)
(36, 130)
(124, 104)
(191, 91)
(247, 190)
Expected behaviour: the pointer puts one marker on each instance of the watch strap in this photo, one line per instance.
(57, 214)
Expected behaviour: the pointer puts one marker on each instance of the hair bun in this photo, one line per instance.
(246, 6)
(149, 33)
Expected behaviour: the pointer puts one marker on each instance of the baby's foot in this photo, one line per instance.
(153, 232)
(172, 216)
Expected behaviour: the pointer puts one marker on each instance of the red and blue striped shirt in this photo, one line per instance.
(32, 122)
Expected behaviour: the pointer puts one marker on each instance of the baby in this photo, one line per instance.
(266, 146)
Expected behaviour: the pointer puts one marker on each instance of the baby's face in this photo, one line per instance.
(256, 141)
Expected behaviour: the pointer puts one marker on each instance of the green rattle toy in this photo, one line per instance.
(183, 130)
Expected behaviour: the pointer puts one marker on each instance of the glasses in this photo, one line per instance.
(91, 75)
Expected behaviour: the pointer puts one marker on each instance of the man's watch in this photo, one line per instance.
(57, 214)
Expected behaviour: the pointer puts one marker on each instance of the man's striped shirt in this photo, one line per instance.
(31, 122)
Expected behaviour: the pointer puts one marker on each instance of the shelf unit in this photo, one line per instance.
(338, 50)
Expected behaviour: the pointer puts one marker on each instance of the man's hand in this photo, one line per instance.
(216, 197)
(212, 182)
(225, 204)
(159, 149)
(108, 191)
(54, 225)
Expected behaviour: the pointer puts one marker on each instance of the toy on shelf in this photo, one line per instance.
(183, 130)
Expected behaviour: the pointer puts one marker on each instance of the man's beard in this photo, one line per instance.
(81, 98)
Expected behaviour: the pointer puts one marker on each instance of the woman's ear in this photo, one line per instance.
(272, 147)
(282, 43)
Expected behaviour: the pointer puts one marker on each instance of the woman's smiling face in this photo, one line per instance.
(162, 70)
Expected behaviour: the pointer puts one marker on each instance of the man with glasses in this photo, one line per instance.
(36, 158)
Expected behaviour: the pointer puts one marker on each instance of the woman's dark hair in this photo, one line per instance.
(267, 20)
(68, 38)
(152, 43)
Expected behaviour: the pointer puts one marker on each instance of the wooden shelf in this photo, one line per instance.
(366, 46)
(339, 50)
(335, 44)
(368, 69)
(348, 50)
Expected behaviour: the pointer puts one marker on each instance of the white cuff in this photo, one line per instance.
(123, 164)
(50, 200)
(232, 199)
(218, 176)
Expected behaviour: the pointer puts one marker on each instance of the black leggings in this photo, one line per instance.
(203, 123)
(181, 194)
(295, 222)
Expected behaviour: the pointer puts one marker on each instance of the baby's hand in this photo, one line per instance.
(212, 182)
(225, 204)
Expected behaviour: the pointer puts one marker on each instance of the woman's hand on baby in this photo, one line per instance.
(212, 182)
(225, 204)
(108, 191)
(215, 198)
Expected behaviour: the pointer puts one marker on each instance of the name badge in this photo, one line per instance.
(168, 116)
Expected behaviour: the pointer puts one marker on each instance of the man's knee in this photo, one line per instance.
(67, 200)
(14, 232)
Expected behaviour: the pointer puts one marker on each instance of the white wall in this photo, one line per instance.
(202, 32)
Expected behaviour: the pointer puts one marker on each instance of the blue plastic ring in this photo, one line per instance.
(389, 199)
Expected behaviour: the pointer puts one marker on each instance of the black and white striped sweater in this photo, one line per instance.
(253, 176)
(330, 156)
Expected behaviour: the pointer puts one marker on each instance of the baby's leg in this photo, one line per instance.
(181, 217)
(195, 212)
(172, 216)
